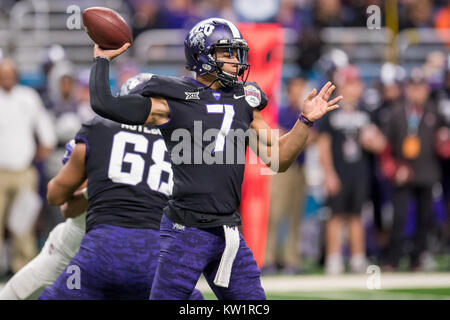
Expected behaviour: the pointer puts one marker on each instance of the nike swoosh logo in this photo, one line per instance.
(238, 97)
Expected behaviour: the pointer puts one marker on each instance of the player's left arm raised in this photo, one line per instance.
(279, 152)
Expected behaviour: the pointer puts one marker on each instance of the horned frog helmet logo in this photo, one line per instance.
(198, 34)
(198, 39)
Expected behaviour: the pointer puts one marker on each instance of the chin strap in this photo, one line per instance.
(233, 80)
(208, 86)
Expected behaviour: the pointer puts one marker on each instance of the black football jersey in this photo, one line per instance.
(129, 174)
(206, 140)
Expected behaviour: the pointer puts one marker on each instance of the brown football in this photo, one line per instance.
(106, 27)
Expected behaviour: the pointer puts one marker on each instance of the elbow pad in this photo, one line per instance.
(129, 109)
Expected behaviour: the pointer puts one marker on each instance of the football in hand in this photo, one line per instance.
(106, 27)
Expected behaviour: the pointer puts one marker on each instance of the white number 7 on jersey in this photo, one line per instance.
(226, 122)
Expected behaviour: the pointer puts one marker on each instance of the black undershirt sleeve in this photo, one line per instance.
(129, 109)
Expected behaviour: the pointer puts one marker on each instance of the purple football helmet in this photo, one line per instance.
(202, 41)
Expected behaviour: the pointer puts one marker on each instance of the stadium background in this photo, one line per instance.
(318, 37)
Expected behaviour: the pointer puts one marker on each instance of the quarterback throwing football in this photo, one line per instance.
(199, 227)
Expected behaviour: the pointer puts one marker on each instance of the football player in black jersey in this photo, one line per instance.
(129, 183)
(206, 123)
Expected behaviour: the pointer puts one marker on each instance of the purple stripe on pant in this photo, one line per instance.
(186, 252)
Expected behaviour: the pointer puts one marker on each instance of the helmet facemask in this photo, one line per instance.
(243, 68)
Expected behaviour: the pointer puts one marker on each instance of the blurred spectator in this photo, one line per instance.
(433, 69)
(391, 79)
(329, 62)
(179, 14)
(147, 15)
(63, 101)
(411, 133)
(22, 118)
(215, 8)
(289, 15)
(355, 11)
(390, 86)
(345, 136)
(64, 107)
(288, 192)
(390, 92)
(325, 13)
(84, 107)
(416, 14)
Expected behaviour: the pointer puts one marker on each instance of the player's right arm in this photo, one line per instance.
(61, 188)
(128, 109)
(77, 204)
